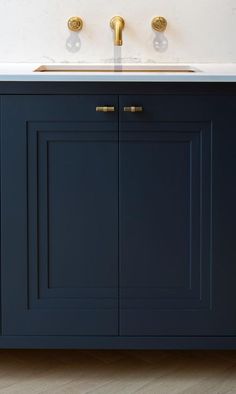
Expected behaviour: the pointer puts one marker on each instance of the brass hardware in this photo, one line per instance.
(133, 109)
(105, 109)
(75, 23)
(117, 24)
(159, 24)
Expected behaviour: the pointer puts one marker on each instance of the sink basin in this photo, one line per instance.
(62, 68)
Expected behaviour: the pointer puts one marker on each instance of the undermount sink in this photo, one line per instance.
(62, 68)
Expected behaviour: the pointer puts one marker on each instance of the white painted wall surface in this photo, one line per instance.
(198, 31)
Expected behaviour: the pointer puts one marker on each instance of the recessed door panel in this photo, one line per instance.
(165, 255)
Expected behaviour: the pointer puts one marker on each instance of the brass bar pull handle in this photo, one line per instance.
(105, 109)
(133, 109)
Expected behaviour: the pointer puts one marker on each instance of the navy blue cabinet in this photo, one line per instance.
(60, 216)
(172, 281)
(118, 229)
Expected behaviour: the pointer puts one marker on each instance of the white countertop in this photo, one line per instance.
(205, 73)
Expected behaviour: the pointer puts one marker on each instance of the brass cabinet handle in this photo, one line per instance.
(105, 109)
(133, 109)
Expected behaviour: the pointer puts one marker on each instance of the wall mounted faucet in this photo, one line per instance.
(117, 24)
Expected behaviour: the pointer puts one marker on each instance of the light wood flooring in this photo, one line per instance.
(117, 372)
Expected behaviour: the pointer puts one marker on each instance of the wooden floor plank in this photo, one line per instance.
(117, 372)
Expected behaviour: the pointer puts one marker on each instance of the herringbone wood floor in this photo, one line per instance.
(123, 372)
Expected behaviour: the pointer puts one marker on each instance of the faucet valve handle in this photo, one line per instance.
(159, 24)
(75, 23)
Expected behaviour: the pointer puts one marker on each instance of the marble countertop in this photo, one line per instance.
(204, 73)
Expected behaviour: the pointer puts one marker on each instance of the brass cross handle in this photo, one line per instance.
(133, 109)
(105, 109)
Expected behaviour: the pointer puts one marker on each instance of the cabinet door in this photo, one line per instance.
(177, 217)
(59, 216)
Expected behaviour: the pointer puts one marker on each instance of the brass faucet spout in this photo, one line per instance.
(117, 24)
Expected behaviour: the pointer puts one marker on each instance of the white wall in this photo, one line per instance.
(198, 31)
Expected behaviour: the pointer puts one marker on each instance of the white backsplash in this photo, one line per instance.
(198, 31)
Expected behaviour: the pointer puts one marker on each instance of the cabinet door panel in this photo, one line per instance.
(171, 281)
(60, 224)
